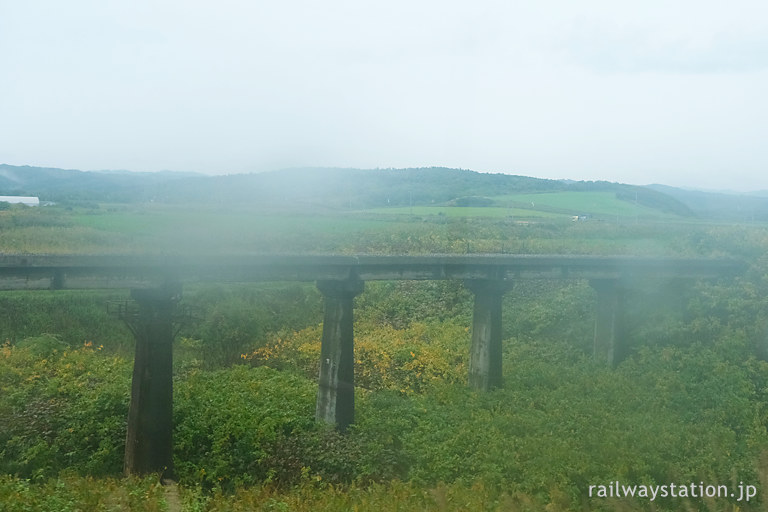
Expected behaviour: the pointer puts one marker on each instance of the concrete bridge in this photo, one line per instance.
(156, 285)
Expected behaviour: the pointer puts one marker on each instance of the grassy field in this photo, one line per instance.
(600, 204)
(544, 206)
(469, 211)
(114, 229)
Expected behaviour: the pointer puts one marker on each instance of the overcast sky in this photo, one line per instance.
(650, 91)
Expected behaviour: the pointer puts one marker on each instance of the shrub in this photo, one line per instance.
(73, 315)
(409, 360)
(225, 421)
(75, 494)
(237, 319)
(61, 409)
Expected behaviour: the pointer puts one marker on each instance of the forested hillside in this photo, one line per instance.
(297, 189)
(720, 206)
(67, 185)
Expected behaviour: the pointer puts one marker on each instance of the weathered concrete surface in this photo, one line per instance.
(485, 369)
(336, 387)
(123, 271)
(149, 438)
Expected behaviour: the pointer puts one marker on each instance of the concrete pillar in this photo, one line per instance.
(336, 389)
(485, 351)
(608, 345)
(149, 443)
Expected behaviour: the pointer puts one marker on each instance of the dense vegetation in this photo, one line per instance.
(688, 404)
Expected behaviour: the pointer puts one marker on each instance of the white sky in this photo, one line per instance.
(640, 92)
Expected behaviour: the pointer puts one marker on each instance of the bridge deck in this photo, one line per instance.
(137, 271)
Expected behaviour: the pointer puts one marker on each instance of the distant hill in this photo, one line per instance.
(361, 188)
(356, 188)
(62, 185)
(724, 206)
(332, 188)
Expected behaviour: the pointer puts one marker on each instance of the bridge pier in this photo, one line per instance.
(336, 387)
(609, 342)
(149, 443)
(485, 352)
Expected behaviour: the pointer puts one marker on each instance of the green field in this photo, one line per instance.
(468, 211)
(604, 204)
(554, 205)
(114, 229)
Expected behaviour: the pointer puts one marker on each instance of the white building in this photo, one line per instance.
(29, 201)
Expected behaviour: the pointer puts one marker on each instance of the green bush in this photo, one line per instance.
(232, 320)
(399, 303)
(409, 360)
(74, 316)
(61, 409)
(73, 494)
(45, 345)
(226, 420)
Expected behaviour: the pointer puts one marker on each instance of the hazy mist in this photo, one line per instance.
(641, 93)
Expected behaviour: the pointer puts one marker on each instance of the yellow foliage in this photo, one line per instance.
(407, 360)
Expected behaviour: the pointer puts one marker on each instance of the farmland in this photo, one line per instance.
(550, 206)
(686, 405)
(610, 226)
